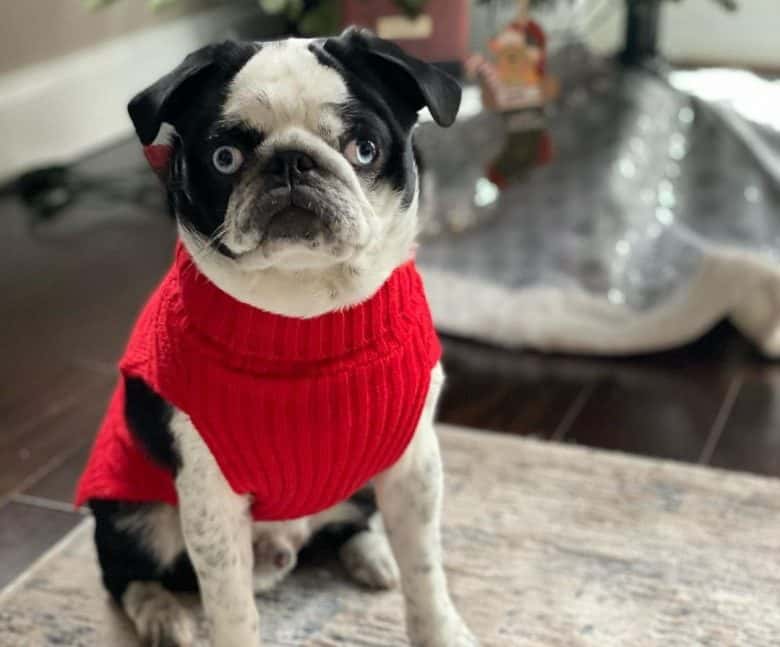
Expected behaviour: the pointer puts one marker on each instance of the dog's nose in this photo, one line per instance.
(289, 165)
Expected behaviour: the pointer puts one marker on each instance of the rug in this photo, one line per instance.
(546, 545)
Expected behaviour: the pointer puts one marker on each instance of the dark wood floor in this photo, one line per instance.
(71, 288)
(714, 402)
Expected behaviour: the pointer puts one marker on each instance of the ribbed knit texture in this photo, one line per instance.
(299, 413)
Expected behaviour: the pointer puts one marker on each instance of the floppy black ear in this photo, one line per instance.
(418, 83)
(157, 104)
(158, 111)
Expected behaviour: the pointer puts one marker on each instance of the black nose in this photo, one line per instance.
(289, 165)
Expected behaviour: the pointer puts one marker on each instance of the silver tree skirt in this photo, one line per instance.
(658, 216)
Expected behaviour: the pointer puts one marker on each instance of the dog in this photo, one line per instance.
(290, 169)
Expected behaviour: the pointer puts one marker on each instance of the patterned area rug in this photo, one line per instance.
(547, 545)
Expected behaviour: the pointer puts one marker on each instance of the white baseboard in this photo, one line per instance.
(59, 110)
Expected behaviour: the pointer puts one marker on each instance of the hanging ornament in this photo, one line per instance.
(515, 83)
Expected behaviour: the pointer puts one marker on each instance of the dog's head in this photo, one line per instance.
(293, 155)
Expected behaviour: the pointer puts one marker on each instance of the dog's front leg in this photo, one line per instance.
(217, 530)
(409, 496)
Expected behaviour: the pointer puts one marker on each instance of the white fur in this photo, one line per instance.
(272, 537)
(157, 615)
(409, 496)
(282, 85)
(217, 530)
(368, 558)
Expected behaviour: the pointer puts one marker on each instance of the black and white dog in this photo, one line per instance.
(346, 106)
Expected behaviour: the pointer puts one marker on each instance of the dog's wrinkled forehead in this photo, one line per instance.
(284, 84)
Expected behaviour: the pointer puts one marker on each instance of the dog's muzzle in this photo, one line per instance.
(293, 206)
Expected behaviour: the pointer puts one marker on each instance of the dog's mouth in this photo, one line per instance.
(303, 228)
(295, 223)
(298, 216)
(295, 237)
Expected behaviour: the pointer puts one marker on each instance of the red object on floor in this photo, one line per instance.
(299, 413)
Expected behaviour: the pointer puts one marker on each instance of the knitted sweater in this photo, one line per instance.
(299, 413)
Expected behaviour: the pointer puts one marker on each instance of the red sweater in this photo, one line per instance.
(299, 413)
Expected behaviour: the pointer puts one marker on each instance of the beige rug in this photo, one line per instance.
(547, 545)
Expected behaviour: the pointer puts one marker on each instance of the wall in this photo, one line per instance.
(698, 31)
(32, 31)
(69, 73)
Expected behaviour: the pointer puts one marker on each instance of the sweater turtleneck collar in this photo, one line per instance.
(239, 328)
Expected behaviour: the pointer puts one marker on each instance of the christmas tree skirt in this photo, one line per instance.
(546, 545)
(657, 217)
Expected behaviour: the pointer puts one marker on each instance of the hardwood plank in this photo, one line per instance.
(657, 417)
(663, 405)
(751, 437)
(59, 484)
(506, 391)
(30, 449)
(71, 290)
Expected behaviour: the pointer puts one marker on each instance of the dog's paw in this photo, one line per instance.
(449, 631)
(274, 558)
(159, 619)
(369, 560)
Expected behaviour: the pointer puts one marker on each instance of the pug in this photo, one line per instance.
(288, 356)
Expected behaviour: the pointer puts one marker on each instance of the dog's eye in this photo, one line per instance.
(361, 152)
(227, 159)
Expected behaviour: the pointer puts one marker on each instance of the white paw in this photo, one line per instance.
(274, 558)
(448, 632)
(369, 560)
(158, 617)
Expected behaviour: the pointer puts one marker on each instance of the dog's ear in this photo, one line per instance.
(416, 83)
(158, 112)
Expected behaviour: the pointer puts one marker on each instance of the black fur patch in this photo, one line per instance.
(124, 560)
(329, 540)
(200, 193)
(365, 499)
(191, 98)
(148, 417)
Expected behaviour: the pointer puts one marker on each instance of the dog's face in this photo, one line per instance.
(295, 154)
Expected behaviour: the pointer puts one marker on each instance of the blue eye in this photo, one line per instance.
(227, 159)
(361, 152)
